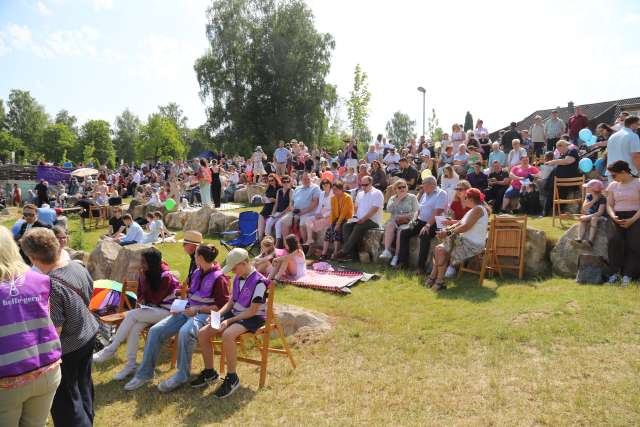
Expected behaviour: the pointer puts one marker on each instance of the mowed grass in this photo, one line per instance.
(508, 353)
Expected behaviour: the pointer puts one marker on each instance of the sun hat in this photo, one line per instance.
(192, 236)
(235, 257)
(594, 184)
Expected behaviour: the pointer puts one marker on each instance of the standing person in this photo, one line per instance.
(42, 191)
(29, 379)
(216, 183)
(257, 165)
(623, 207)
(204, 181)
(536, 131)
(480, 129)
(16, 196)
(281, 156)
(509, 136)
(553, 129)
(577, 122)
(71, 291)
(351, 154)
(625, 145)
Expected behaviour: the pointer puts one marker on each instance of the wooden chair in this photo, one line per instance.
(509, 240)
(116, 318)
(484, 261)
(261, 339)
(97, 216)
(559, 202)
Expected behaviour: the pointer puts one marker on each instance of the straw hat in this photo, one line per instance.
(192, 236)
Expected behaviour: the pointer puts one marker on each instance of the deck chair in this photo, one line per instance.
(509, 241)
(482, 263)
(261, 339)
(124, 305)
(247, 233)
(558, 202)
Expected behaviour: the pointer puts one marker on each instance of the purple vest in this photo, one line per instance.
(201, 288)
(243, 297)
(28, 339)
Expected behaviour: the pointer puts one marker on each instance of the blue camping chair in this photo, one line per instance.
(247, 230)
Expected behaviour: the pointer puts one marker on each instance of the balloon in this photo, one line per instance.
(169, 204)
(585, 134)
(592, 141)
(585, 165)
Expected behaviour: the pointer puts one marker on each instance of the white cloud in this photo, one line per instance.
(69, 43)
(631, 18)
(43, 9)
(102, 4)
(164, 58)
(112, 56)
(20, 35)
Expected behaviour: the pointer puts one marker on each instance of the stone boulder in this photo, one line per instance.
(372, 245)
(300, 321)
(128, 263)
(564, 256)
(176, 220)
(81, 256)
(62, 221)
(241, 195)
(102, 259)
(198, 220)
(132, 205)
(536, 263)
(219, 222)
(255, 189)
(5, 212)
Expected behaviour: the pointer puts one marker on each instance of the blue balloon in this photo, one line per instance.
(585, 165)
(592, 141)
(585, 134)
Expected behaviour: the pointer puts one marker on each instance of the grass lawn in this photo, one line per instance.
(509, 353)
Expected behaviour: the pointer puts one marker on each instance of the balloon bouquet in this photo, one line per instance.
(586, 164)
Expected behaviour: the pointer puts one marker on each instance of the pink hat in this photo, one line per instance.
(594, 184)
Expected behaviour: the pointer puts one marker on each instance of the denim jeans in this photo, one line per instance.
(187, 330)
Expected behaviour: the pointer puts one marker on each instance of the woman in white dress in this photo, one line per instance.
(257, 167)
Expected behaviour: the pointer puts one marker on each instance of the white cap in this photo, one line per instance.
(235, 257)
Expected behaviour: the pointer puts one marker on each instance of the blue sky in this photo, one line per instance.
(499, 59)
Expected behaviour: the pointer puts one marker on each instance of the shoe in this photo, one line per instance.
(439, 287)
(385, 254)
(430, 282)
(394, 261)
(626, 281)
(125, 372)
(205, 378)
(614, 278)
(103, 355)
(229, 385)
(135, 384)
(450, 273)
(169, 385)
(576, 242)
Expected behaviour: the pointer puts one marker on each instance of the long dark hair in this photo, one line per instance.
(153, 257)
(292, 243)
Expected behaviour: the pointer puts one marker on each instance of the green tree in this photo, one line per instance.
(57, 140)
(173, 112)
(468, 122)
(199, 140)
(160, 140)
(127, 134)
(26, 119)
(95, 143)
(9, 144)
(358, 105)
(63, 117)
(434, 131)
(400, 128)
(3, 117)
(263, 77)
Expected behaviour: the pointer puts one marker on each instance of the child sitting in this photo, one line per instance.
(530, 200)
(263, 261)
(292, 266)
(593, 211)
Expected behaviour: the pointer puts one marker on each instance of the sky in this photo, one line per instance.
(500, 60)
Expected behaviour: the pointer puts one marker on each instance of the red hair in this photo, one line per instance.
(475, 194)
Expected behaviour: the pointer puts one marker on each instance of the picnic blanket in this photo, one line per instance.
(338, 279)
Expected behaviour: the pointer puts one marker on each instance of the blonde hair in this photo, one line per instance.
(11, 262)
(398, 182)
(562, 143)
(464, 184)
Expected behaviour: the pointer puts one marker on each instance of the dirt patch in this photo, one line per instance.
(572, 307)
(529, 316)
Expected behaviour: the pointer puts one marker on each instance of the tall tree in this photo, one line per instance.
(198, 141)
(26, 118)
(468, 122)
(159, 140)
(63, 117)
(95, 143)
(358, 105)
(3, 116)
(9, 144)
(400, 128)
(127, 134)
(173, 112)
(57, 142)
(263, 78)
(434, 131)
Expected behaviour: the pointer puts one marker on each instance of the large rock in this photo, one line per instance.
(198, 220)
(132, 206)
(564, 256)
(241, 195)
(176, 220)
(536, 262)
(81, 256)
(219, 222)
(255, 189)
(372, 244)
(102, 259)
(300, 321)
(127, 265)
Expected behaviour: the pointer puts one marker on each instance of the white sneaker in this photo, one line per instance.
(626, 281)
(394, 261)
(386, 254)
(103, 355)
(125, 372)
(135, 384)
(614, 278)
(170, 384)
(450, 273)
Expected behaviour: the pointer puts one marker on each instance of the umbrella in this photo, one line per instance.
(84, 172)
(110, 284)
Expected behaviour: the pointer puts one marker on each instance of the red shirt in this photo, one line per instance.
(576, 123)
(458, 210)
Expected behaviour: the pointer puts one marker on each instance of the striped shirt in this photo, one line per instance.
(68, 309)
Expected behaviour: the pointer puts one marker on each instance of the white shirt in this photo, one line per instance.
(365, 201)
(155, 227)
(137, 178)
(478, 231)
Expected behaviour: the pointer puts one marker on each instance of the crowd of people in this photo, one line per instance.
(443, 190)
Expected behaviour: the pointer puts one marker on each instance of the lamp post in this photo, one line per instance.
(424, 94)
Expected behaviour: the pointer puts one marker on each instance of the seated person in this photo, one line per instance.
(293, 265)
(116, 224)
(458, 207)
(208, 290)
(303, 207)
(408, 173)
(497, 155)
(47, 215)
(30, 216)
(593, 213)
(267, 254)
(244, 312)
(392, 160)
(476, 177)
(446, 158)
(134, 232)
(341, 211)
(461, 160)
(498, 183)
(154, 227)
(530, 200)
(157, 288)
(523, 172)
(403, 207)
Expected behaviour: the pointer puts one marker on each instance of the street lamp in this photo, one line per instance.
(424, 94)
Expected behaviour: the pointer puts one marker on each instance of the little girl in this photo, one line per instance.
(593, 211)
(263, 261)
(292, 266)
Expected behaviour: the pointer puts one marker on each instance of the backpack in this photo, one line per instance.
(591, 269)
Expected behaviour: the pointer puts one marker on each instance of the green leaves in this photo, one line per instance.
(57, 139)
(400, 128)
(159, 140)
(358, 105)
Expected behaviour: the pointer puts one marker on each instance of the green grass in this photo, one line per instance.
(508, 353)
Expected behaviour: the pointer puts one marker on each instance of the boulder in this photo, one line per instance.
(255, 189)
(102, 259)
(81, 256)
(414, 252)
(297, 320)
(5, 211)
(536, 262)
(198, 220)
(62, 221)
(175, 220)
(372, 243)
(128, 263)
(241, 196)
(219, 222)
(564, 256)
(132, 205)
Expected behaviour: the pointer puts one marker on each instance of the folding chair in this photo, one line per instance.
(559, 202)
(509, 240)
(124, 305)
(485, 259)
(261, 339)
(96, 215)
(247, 233)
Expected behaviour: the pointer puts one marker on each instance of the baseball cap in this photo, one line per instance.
(594, 184)
(235, 257)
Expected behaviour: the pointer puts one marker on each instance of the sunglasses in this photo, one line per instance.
(365, 185)
(460, 189)
(401, 187)
(28, 215)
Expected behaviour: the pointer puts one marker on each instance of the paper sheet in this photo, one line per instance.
(439, 221)
(178, 305)
(215, 319)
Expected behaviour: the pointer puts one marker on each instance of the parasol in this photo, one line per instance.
(84, 172)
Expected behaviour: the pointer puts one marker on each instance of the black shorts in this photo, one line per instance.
(252, 324)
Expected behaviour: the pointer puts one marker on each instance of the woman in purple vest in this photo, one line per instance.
(157, 288)
(244, 312)
(29, 345)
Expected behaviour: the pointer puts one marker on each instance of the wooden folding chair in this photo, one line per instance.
(509, 240)
(483, 261)
(559, 202)
(261, 338)
(116, 318)
(96, 216)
